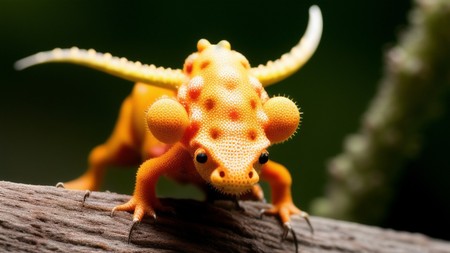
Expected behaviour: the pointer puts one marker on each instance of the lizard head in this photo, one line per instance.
(225, 105)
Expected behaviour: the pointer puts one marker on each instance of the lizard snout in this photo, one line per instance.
(234, 181)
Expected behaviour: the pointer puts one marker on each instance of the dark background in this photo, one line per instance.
(52, 115)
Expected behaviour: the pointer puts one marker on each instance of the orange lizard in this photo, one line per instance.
(210, 123)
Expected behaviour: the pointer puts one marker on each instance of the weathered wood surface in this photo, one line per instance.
(49, 219)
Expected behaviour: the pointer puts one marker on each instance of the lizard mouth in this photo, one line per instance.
(235, 190)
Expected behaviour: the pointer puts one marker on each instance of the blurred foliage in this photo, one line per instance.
(52, 115)
(411, 94)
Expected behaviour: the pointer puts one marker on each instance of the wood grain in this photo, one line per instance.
(49, 219)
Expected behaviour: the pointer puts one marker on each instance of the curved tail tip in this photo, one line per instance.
(315, 13)
(32, 60)
(17, 66)
(314, 10)
(22, 64)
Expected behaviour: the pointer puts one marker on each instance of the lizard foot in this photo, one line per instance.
(284, 211)
(140, 209)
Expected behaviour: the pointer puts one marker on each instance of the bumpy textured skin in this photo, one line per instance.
(208, 124)
(227, 122)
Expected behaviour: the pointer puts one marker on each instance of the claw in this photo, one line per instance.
(60, 185)
(86, 195)
(133, 226)
(261, 213)
(305, 216)
(140, 209)
(286, 229)
(136, 222)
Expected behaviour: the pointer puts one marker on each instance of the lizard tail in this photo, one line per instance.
(105, 62)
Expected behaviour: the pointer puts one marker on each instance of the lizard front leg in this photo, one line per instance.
(280, 182)
(144, 200)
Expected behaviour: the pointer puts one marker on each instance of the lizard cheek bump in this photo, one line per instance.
(283, 119)
(167, 120)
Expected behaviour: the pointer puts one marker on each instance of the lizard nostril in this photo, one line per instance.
(222, 174)
(250, 174)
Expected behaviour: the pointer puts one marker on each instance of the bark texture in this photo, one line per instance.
(50, 219)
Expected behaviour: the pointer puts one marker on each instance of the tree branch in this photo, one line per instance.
(50, 219)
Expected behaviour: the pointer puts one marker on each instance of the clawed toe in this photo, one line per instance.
(271, 212)
(133, 226)
(136, 222)
(112, 212)
(86, 195)
(261, 213)
(140, 210)
(305, 216)
(60, 185)
(287, 227)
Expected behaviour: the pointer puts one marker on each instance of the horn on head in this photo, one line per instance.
(289, 63)
(105, 62)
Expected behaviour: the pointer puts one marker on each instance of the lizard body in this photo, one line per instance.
(210, 123)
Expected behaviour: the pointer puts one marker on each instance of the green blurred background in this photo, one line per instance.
(52, 115)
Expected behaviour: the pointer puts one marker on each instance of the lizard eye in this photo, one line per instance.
(201, 158)
(264, 157)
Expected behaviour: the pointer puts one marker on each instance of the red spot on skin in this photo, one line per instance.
(234, 115)
(194, 92)
(214, 133)
(258, 91)
(204, 64)
(209, 104)
(253, 104)
(252, 134)
(195, 87)
(188, 68)
(256, 85)
(191, 131)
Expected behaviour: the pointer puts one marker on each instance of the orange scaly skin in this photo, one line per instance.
(224, 105)
(210, 123)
